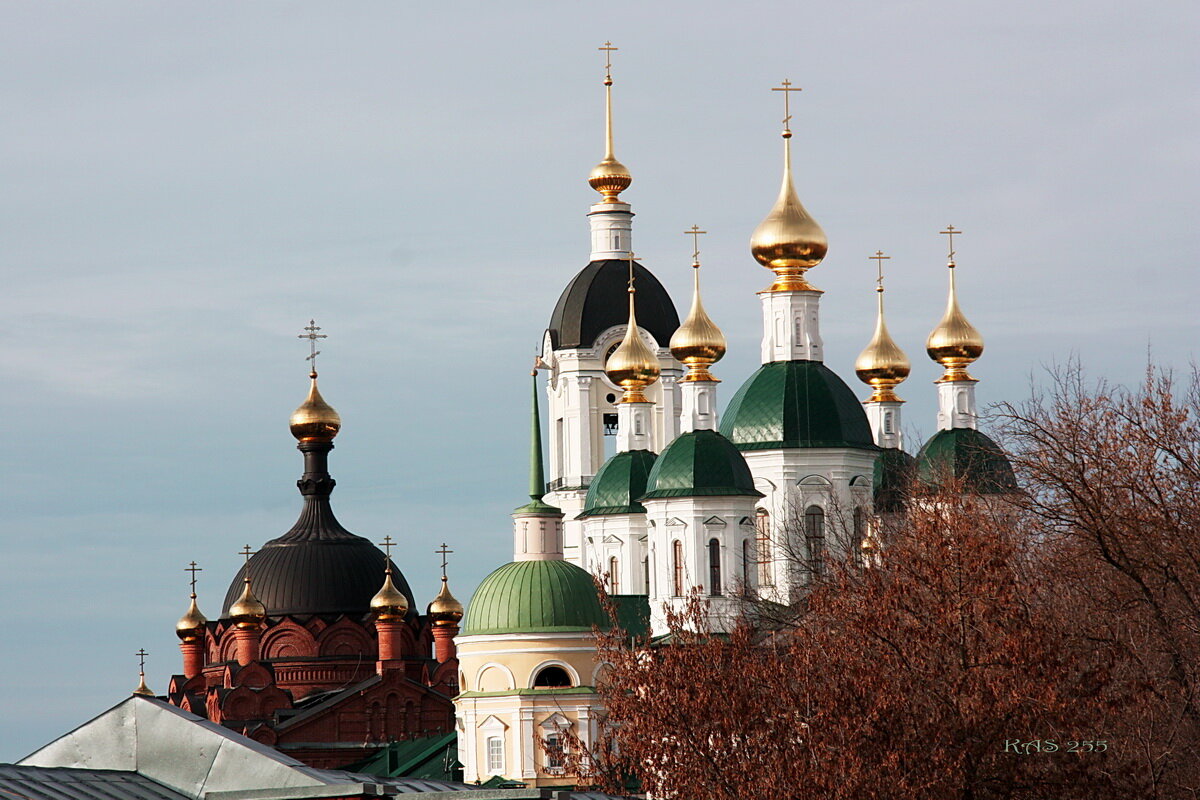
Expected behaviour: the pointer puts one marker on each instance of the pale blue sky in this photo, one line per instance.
(182, 186)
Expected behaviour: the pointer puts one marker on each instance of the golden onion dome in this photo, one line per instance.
(142, 689)
(954, 343)
(389, 603)
(247, 612)
(191, 625)
(445, 608)
(882, 365)
(698, 342)
(315, 420)
(789, 241)
(632, 366)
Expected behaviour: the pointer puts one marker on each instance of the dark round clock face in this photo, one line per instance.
(612, 348)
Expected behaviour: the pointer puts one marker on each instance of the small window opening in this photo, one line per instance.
(552, 678)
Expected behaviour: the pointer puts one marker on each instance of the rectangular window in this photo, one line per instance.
(495, 755)
(554, 752)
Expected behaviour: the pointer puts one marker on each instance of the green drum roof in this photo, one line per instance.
(796, 404)
(700, 464)
(969, 456)
(535, 597)
(618, 485)
(893, 474)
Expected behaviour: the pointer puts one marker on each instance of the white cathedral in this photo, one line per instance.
(795, 474)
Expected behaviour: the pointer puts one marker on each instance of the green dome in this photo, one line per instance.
(893, 473)
(535, 597)
(700, 464)
(618, 485)
(796, 404)
(969, 456)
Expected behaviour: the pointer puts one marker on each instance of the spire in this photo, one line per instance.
(882, 365)
(142, 689)
(632, 366)
(609, 177)
(698, 343)
(788, 242)
(537, 474)
(954, 343)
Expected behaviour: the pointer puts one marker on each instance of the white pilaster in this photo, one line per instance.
(525, 745)
(699, 406)
(634, 430)
(885, 423)
(612, 231)
(537, 537)
(791, 326)
(956, 405)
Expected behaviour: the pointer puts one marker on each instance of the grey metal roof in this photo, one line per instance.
(61, 783)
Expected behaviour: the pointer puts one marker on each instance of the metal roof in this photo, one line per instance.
(598, 299)
(61, 783)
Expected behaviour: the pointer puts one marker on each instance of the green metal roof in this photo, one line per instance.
(796, 404)
(700, 464)
(433, 757)
(893, 474)
(535, 597)
(967, 455)
(618, 485)
(633, 614)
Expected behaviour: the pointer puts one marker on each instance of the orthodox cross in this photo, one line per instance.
(444, 551)
(695, 233)
(787, 88)
(879, 259)
(608, 51)
(312, 336)
(951, 231)
(192, 568)
(247, 552)
(387, 544)
(631, 258)
(141, 654)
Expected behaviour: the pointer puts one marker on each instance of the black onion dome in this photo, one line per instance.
(597, 299)
(317, 567)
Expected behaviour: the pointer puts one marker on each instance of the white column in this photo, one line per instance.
(699, 406)
(667, 410)
(791, 326)
(956, 405)
(612, 231)
(884, 418)
(633, 426)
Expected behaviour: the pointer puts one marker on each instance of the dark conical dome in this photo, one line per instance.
(317, 567)
(700, 464)
(597, 299)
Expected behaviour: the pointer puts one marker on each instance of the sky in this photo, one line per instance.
(183, 186)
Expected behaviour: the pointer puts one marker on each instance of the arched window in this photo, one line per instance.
(762, 525)
(614, 583)
(814, 540)
(677, 567)
(746, 565)
(860, 535)
(714, 567)
(887, 422)
(552, 678)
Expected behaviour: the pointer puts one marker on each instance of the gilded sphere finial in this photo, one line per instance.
(698, 343)
(954, 343)
(445, 608)
(315, 420)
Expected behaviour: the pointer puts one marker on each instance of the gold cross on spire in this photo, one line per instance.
(695, 233)
(951, 231)
(631, 258)
(608, 51)
(192, 568)
(444, 551)
(247, 552)
(387, 544)
(879, 258)
(787, 89)
(312, 336)
(141, 654)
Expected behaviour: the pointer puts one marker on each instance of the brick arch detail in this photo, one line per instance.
(346, 638)
(286, 639)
